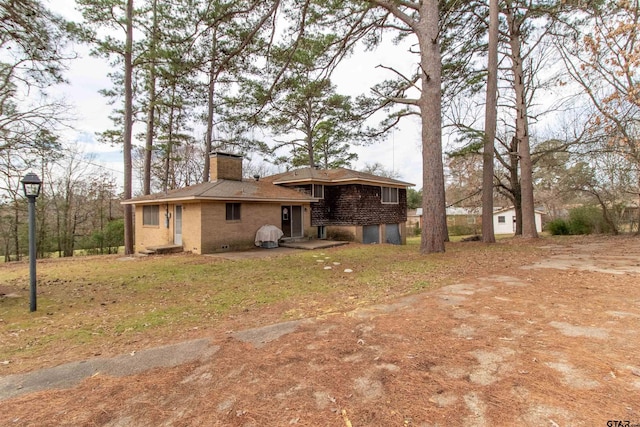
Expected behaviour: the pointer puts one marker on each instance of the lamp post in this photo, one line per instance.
(31, 185)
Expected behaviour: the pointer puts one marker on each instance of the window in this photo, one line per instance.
(233, 211)
(317, 191)
(389, 195)
(471, 219)
(151, 215)
(502, 219)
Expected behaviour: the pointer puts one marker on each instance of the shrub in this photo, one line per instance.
(582, 220)
(340, 235)
(114, 235)
(109, 240)
(461, 230)
(586, 220)
(558, 227)
(414, 230)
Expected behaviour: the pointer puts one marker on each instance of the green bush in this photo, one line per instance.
(109, 240)
(414, 230)
(340, 235)
(558, 227)
(582, 220)
(586, 220)
(114, 235)
(461, 230)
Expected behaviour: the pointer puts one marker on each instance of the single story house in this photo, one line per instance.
(504, 220)
(226, 212)
(466, 220)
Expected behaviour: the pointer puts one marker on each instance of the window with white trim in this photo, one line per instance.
(502, 219)
(389, 195)
(317, 191)
(151, 215)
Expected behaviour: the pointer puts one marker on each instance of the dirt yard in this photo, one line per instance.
(553, 343)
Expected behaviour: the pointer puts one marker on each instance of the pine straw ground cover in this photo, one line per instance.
(530, 333)
(107, 305)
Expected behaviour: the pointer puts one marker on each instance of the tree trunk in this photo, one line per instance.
(58, 228)
(101, 209)
(42, 227)
(208, 143)
(128, 128)
(151, 109)
(16, 222)
(309, 133)
(148, 146)
(638, 219)
(606, 215)
(522, 131)
(166, 186)
(638, 209)
(41, 213)
(488, 235)
(434, 232)
(514, 182)
(66, 223)
(517, 205)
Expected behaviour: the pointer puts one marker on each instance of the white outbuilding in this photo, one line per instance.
(504, 221)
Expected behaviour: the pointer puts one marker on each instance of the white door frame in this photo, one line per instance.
(177, 225)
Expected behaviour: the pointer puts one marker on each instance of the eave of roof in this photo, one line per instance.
(511, 208)
(226, 190)
(334, 176)
(155, 201)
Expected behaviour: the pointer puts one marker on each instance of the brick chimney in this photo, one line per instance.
(225, 166)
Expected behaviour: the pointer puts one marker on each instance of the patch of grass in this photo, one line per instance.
(108, 302)
(148, 320)
(419, 286)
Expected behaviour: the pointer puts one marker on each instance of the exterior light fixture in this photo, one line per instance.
(31, 185)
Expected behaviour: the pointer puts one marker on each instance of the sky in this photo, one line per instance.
(400, 152)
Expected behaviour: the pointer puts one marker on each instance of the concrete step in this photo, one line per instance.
(162, 249)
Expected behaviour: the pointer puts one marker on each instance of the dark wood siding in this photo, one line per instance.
(357, 204)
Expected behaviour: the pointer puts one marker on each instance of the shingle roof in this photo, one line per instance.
(453, 210)
(332, 176)
(269, 188)
(223, 189)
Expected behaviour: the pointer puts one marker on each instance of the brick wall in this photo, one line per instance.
(218, 234)
(357, 204)
(225, 166)
(150, 235)
(191, 227)
(205, 228)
